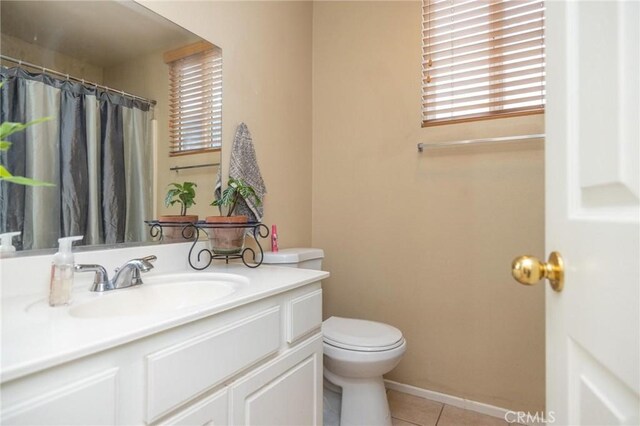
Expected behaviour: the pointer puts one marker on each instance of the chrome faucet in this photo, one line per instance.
(127, 275)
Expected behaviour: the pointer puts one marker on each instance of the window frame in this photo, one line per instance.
(175, 58)
(494, 62)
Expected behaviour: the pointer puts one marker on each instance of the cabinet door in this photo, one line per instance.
(211, 411)
(285, 391)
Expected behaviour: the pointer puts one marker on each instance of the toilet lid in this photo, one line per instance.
(356, 334)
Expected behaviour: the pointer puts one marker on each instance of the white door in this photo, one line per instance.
(593, 211)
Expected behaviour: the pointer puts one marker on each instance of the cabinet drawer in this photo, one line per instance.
(180, 372)
(305, 315)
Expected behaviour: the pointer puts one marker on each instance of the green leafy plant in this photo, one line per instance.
(7, 129)
(236, 188)
(183, 194)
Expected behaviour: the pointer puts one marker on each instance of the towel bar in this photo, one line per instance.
(197, 166)
(423, 146)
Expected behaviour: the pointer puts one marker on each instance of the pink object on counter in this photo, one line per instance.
(274, 238)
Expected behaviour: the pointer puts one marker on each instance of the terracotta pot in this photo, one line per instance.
(175, 233)
(227, 240)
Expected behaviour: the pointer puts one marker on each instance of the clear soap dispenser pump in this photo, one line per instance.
(62, 272)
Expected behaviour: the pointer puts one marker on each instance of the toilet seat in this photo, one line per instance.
(363, 348)
(361, 335)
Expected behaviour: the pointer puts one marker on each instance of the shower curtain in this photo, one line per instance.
(97, 151)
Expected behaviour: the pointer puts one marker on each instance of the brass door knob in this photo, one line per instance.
(528, 270)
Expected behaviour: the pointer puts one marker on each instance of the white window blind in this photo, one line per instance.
(481, 59)
(195, 98)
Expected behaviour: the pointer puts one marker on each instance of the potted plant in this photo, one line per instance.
(228, 240)
(183, 194)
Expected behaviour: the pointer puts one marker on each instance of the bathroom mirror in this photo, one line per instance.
(105, 87)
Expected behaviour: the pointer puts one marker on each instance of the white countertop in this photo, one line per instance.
(35, 336)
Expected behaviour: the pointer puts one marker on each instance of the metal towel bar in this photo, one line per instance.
(197, 166)
(423, 146)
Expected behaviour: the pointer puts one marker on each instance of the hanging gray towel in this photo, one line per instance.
(244, 165)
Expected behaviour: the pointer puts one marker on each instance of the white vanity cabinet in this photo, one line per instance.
(258, 363)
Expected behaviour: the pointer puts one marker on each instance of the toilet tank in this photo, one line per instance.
(306, 258)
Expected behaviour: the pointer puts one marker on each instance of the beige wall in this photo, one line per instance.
(267, 84)
(29, 52)
(423, 241)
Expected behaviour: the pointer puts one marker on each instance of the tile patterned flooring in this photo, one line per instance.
(409, 410)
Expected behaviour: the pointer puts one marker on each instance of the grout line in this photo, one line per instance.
(440, 415)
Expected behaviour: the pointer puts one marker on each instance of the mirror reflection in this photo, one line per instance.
(110, 130)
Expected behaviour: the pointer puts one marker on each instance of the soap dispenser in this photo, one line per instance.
(6, 243)
(62, 272)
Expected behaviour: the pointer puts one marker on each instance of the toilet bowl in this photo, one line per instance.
(356, 355)
(356, 352)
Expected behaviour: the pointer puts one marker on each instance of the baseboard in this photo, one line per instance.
(455, 401)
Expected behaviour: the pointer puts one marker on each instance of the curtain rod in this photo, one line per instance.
(423, 146)
(20, 62)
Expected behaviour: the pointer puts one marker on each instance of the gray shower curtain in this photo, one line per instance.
(96, 149)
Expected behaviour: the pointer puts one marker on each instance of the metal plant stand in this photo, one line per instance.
(205, 256)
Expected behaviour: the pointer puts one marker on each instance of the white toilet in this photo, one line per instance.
(356, 352)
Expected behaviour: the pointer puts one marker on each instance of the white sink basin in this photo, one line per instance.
(159, 294)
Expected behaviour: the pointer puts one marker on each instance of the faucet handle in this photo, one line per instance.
(147, 263)
(100, 279)
(151, 258)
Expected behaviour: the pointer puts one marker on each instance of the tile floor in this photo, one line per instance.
(409, 410)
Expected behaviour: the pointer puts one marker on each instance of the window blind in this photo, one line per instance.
(481, 59)
(195, 99)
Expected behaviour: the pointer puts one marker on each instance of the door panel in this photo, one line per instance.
(597, 397)
(605, 108)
